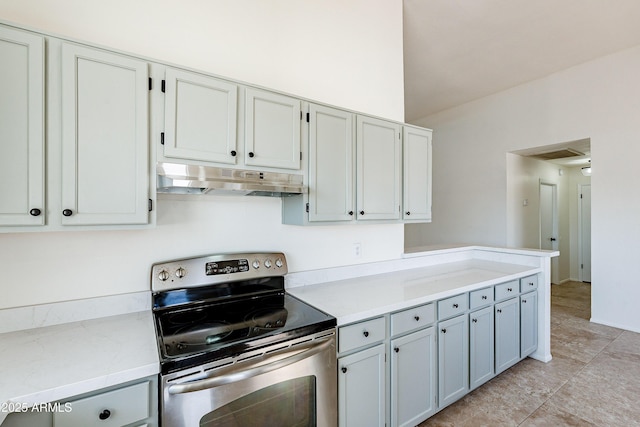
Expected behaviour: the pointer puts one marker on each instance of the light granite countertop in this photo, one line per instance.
(355, 299)
(51, 363)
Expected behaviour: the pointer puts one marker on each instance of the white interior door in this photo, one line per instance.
(549, 223)
(584, 233)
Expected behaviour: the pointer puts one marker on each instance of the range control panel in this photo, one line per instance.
(210, 269)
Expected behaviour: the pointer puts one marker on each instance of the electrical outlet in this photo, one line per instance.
(357, 250)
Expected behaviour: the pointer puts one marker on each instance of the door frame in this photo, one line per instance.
(580, 236)
(554, 220)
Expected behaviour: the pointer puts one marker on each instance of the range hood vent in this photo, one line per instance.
(178, 178)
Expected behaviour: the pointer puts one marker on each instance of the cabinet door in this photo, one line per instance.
(200, 117)
(104, 138)
(416, 191)
(528, 323)
(480, 347)
(378, 169)
(413, 378)
(21, 128)
(331, 164)
(272, 130)
(453, 360)
(361, 388)
(507, 318)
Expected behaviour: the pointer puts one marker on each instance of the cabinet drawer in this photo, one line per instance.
(412, 318)
(452, 306)
(529, 283)
(480, 298)
(361, 334)
(124, 406)
(506, 290)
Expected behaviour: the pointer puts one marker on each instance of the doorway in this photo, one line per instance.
(549, 223)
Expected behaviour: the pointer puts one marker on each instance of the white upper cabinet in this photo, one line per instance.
(272, 130)
(331, 164)
(416, 174)
(22, 189)
(200, 117)
(378, 168)
(105, 142)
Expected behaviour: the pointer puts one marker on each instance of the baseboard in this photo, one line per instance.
(613, 325)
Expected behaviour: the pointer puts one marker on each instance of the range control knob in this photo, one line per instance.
(267, 263)
(181, 272)
(278, 262)
(255, 264)
(163, 275)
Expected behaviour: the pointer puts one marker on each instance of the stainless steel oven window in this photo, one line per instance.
(289, 403)
(300, 375)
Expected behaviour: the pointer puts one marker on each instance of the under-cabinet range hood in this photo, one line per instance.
(192, 179)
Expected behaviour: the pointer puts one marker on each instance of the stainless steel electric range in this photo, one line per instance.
(236, 350)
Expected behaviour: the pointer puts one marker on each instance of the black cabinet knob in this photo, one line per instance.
(417, 318)
(351, 213)
(233, 153)
(510, 289)
(444, 331)
(474, 320)
(67, 212)
(396, 349)
(366, 334)
(455, 305)
(524, 301)
(344, 370)
(499, 311)
(361, 212)
(251, 154)
(407, 213)
(35, 212)
(104, 414)
(484, 297)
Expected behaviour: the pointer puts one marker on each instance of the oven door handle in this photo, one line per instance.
(312, 349)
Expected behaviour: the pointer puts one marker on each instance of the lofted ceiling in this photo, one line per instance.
(456, 51)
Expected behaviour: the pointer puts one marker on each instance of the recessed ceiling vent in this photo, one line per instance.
(558, 154)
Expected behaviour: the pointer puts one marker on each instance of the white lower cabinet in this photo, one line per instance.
(413, 378)
(481, 344)
(131, 404)
(433, 366)
(453, 360)
(507, 318)
(361, 388)
(528, 323)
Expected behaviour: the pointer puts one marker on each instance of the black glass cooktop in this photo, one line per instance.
(200, 325)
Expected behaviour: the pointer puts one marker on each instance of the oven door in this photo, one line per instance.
(288, 384)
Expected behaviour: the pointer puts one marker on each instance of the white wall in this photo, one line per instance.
(347, 54)
(599, 100)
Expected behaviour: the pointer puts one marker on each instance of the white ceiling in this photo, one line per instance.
(456, 51)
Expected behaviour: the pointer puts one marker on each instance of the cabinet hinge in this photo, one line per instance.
(301, 155)
(307, 117)
(300, 115)
(150, 205)
(163, 86)
(307, 207)
(150, 83)
(161, 138)
(581, 196)
(581, 265)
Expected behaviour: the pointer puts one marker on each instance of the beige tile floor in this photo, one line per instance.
(593, 379)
